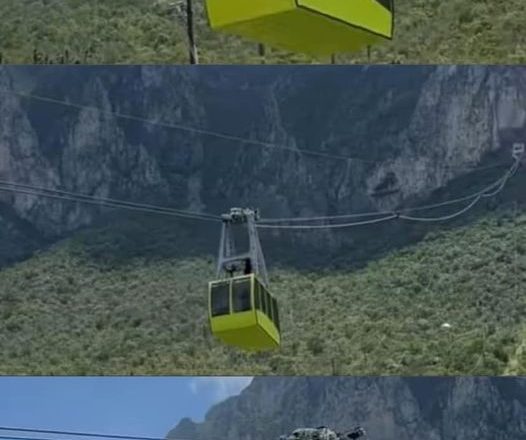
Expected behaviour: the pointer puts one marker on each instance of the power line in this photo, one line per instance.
(9, 186)
(500, 183)
(16, 437)
(212, 133)
(392, 216)
(101, 203)
(122, 437)
(75, 433)
(443, 218)
(375, 213)
(142, 207)
(325, 217)
(187, 128)
(16, 187)
(110, 200)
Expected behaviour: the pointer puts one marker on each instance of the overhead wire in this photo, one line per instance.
(17, 437)
(211, 133)
(9, 186)
(122, 437)
(102, 200)
(442, 218)
(187, 128)
(331, 226)
(100, 203)
(264, 223)
(376, 213)
(500, 186)
(77, 434)
(398, 214)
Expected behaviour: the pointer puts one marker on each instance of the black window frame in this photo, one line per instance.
(213, 295)
(270, 313)
(235, 295)
(275, 312)
(257, 295)
(387, 4)
(264, 300)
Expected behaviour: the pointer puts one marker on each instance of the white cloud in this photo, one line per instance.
(218, 388)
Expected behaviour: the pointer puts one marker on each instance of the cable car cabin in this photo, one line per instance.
(243, 313)
(319, 27)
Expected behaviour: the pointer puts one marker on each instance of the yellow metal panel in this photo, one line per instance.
(234, 321)
(224, 12)
(242, 330)
(249, 330)
(366, 14)
(305, 31)
(252, 338)
(319, 27)
(268, 326)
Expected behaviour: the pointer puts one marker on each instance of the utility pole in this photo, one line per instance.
(261, 53)
(184, 12)
(191, 35)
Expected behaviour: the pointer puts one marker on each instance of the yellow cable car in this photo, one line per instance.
(319, 27)
(242, 312)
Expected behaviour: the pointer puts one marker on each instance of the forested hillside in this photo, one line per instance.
(88, 290)
(144, 31)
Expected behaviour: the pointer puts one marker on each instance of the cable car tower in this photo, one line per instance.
(318, 27)
(242, 312)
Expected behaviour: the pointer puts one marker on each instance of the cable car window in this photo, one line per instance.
(262, 298)
(257, 295)
(241, 296)
(387, 4)
(268, 300)
(220, 299)
(276, 313)
(264, 301)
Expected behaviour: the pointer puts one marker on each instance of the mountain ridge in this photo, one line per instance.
(436, 408)
(93, 290)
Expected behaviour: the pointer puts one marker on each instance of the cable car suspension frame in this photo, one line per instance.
(229, 261)
(242, 311)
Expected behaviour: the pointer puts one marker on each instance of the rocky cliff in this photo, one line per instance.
(411, 131)
(390, 408)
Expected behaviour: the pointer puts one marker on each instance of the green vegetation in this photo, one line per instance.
(146, 31)
(132, 301)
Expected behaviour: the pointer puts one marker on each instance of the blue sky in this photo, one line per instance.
(148, 406)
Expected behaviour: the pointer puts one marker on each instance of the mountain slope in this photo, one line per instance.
(118, 292)
(142, 31)
(424, 126)
(389, 408)
(126, 301)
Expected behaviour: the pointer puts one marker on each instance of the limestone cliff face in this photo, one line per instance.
(390, 408)
(462, 115)
(86, 150)
(423, 126)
